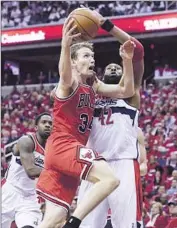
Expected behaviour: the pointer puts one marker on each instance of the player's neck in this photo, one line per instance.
(80, 78)
(40, 140)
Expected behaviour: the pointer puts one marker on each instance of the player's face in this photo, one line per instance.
(85, 62)
(113, 74)
(44, 126)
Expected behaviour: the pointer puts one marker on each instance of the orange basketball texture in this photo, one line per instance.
(87, 23)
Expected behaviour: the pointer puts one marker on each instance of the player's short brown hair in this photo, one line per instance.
(77, 46)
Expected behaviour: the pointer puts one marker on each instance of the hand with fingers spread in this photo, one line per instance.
(69, 32)
(126, 50)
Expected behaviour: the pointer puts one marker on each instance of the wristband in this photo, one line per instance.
(107, 25)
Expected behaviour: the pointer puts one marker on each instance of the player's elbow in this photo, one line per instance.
(128, 92)
(31, 173)
(113, 182)
(139, 50)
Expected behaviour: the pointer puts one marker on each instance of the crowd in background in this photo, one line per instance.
(27, 13)
(40, 77)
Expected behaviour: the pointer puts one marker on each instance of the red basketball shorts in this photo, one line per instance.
(66, 163)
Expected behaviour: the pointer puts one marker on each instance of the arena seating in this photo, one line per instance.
(27, 13)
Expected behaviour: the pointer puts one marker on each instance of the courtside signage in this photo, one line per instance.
(140, 24)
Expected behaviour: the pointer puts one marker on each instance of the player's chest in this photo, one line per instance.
(39, 158)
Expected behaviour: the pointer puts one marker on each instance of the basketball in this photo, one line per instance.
(87, 23)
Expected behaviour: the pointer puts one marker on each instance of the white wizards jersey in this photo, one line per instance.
(114, 129)
(16, 174)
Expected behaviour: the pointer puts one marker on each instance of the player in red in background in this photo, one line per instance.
(66, 155)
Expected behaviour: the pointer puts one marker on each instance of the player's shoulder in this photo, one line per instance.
(26, 140)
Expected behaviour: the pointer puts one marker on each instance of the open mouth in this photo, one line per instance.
(113, 74)
(47, 131)
(91, 67)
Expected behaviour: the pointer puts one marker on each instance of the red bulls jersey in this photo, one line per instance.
(72, 116)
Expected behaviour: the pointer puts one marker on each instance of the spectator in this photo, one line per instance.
(157, 179)
(156, 219)
(41, 78)
(145, 8)
(152, 163)
(26, 15)
(173, 188)
(169, 120)
(54, 16)
(53, 77)
(15, 13)
(13, 136)
(172, 160)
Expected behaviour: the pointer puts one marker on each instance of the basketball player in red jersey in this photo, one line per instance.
(67, 159)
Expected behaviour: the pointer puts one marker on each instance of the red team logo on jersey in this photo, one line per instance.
(86, 154)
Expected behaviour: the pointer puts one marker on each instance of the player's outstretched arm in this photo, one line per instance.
(26, 148)
(65, 68)
(122, 37)
(127, 90)
(138, 58)
(143, 156)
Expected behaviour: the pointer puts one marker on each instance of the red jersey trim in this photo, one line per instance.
(53, 200)
(36, 142)
(70, 96)
(91, 87)
(139, 196)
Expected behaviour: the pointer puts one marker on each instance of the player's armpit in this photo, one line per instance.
(26, 148)
(63, 91)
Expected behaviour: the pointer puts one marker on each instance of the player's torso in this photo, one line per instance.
(114, 129)
(72, 116)
(16, 174)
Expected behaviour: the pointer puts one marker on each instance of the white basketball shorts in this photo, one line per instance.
(125, 202)
(24, 210)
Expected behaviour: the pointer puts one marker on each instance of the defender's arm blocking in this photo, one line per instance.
(127, 90)
(138, 61)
